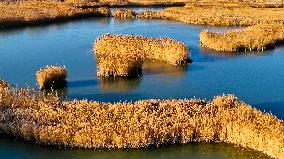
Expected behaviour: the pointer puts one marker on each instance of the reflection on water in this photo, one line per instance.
(119, 84)
(163, 68)
(60, 94)
(16, 149)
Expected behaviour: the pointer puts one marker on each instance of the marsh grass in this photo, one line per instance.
(40, 12)
(218, 15)
(145, 123)
(255, 38)
(51, 77)
(124, 13)
(123, 55)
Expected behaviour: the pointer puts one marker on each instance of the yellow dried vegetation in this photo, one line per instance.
(51, 77)
(238, 3)
(123, 55)
(258, 38)
(90, 124)
(218, 15)
(38, 12)
(124, 13)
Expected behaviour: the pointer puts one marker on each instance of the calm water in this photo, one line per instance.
(256, 78)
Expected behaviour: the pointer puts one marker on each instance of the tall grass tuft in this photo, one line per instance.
(51, 77)
(119, 55)
(90, 124)
(258, 38)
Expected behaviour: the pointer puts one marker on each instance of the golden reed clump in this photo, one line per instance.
(218, 15)
(124, 13)
(119, 55)
(39, 12)
(259, 37)
(90, 124)
(51, 77)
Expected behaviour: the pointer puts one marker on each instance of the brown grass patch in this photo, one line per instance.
(35, 12)
(124, 13)
(120, 55)
(218, 15)
(257, 38)
(90, 124)
(51, 77)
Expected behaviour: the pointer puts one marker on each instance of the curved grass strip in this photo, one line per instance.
(258, 38)
(123, 55)
(218, 15)
(51, 77)
(90, 124)
(39, 12)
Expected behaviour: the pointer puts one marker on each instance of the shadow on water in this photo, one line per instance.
(17, 148)
(82, 83)
(51, 26)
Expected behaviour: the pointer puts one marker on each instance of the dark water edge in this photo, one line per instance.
(18, 149)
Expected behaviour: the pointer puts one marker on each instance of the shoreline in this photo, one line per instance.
(140, 124)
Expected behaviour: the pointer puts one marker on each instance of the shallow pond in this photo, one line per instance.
(256, 78)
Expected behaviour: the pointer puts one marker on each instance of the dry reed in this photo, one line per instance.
(90, 124)
(128, 4)
(238, 3)
(257, 38)
(124, 13)
(118, 54)
(39, 12)
(51, 77)
(218, 15)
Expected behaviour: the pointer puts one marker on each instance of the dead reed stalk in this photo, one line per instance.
(90, 124)
(118, 53)
(51, 77)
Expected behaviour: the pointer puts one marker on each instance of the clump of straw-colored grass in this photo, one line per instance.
(218, 15)
(90, 124)
(124, 13)
(51, 77)
(39, 12)
(119, 65)
(258, 38)
(129, 51)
